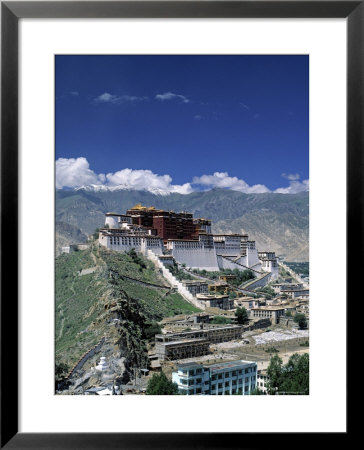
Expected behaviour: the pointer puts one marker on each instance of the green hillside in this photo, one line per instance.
(87, 301)
(278, 222)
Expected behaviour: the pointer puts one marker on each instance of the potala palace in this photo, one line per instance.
(188, 240)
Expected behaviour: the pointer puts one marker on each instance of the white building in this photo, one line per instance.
(205, 252)
(262, 380)
(269, 263)
(120, 235)
(271, 312)
(227, 378)
(114, 220)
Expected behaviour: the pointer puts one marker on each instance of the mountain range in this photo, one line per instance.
(278, 222)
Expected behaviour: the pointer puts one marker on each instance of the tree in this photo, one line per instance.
(274, 373)
(221, 320)
(96, 234)
(242, 315)
(136, 259)
(291, 378)
(301, 320)
(151, 329)
(160, 385)
(61, 370)
(296, 375)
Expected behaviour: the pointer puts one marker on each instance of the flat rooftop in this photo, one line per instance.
(227, 365)
(268, 308)
(185, 341)
(189, 365)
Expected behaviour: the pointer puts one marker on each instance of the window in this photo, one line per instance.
(220, 386)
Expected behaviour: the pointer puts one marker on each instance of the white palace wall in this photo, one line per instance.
(174, 282)
(145, 244)
(226, 263)
(197, 258)
(251, 256)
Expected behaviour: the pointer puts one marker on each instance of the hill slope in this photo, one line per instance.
(67, 234)
(94, 287)
(278, 222)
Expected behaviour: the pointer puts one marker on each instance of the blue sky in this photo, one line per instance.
(203, 121)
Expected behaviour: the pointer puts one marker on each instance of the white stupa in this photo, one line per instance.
(102, 364)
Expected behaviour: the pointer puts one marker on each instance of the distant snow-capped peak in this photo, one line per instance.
(120, 187)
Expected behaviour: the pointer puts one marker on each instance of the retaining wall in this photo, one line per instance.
(294, 274)
(174, 282)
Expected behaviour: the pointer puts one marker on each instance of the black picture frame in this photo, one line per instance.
(11, 12)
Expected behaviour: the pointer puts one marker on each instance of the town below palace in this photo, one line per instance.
(199, 353)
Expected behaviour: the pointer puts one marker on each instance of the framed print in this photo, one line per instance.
(174, 157)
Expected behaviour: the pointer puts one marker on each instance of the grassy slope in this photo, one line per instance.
(77, 305)
(154, 302)
(81, 300)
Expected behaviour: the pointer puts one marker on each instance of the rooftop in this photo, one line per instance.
(269, 308)
(116, 214)
(185, 341)
(188, 365)
(211, 297)
(227, 365)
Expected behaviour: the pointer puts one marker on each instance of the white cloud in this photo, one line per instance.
(75, 172)
(171, 96)
(294, 187)
(106, 98)
(223, 180)
(145, 180)
(75, 93)
(291, 176)
(112, 98)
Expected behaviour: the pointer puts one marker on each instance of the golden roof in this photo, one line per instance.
(144, 208)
